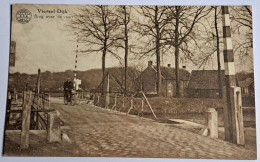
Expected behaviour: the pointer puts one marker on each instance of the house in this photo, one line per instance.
(204, 83)
(246, 82)
(148, 80)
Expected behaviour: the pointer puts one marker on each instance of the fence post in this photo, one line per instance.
(131, 104)
(114, 106)
(107, 93)
(26, 120)
(123, 105)
(237, 115)
(142, 106)
(24, 98)
(97, 100)
(149, 105)
(213, 122)
(53, 127)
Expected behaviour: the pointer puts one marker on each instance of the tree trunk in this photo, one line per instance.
(177, 53)
(126, 48)
(218, 57)
(158, 57)
(103, 70)
(177, 73)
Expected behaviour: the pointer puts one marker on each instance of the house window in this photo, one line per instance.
(156, 85)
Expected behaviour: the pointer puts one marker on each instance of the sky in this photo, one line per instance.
(45, 42)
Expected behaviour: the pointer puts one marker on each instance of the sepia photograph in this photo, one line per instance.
(131, 81)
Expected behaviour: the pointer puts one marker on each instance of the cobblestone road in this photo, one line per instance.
(104, 133)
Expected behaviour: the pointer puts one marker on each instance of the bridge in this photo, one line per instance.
(99, 132)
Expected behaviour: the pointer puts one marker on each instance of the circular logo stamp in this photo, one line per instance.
(23, 16)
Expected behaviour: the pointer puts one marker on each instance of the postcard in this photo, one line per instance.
(131, 81)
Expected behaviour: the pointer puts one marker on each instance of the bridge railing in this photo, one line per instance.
(130, 104)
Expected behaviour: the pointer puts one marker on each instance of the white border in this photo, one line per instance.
(4, 46)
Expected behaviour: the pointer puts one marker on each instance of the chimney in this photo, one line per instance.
(169, 65)
(150, 63)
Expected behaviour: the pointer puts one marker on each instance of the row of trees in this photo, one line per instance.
(155, 30)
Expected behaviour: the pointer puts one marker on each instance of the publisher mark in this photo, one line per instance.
(23, 16)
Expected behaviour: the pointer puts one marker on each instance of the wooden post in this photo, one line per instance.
(49, 98)
(142, 106)
(37, 94)
(131, 104)
(114, 104)
(213, 122)
(237, 115)
(97, 100)
(123, 105)
(107, 92)
(26, 120)
(38, 83)
(53, 127)
(15, 95)
(24, 96)
(149, 105)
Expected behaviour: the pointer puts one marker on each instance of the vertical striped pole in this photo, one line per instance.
(229, 72)
(75, 70)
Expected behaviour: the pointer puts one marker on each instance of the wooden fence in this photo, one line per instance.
(37, 114)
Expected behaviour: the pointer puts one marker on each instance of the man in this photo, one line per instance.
(68, 86)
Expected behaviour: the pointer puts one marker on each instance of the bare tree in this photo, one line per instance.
(208, 37)
(96, 27)
(153, 29)
(241, 19)
(123, 13)
(184, 20)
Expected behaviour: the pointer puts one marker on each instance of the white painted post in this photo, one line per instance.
(213, 122)
(123, 101)
(53, 127)
(115, 103)
(237, 115)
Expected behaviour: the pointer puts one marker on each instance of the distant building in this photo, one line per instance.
(246, 83)
(204, 83)
(147, 80)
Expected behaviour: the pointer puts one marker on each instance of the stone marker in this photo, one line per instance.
(213, 123)
(53, 127)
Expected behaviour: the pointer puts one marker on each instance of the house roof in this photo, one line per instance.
(205, 79)
(245, 83)
(169, 73)
(245, 79)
